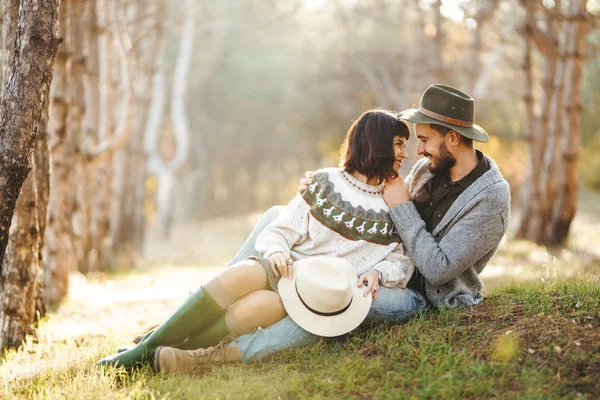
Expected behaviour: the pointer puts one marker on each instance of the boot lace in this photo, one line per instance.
(216, 352)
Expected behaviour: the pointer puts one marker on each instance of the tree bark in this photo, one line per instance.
(549, 198)
(22, 104)
(565, 208)
(60, 258)
(90, 124)
(77, 20)
(104, 177)
(42, 180)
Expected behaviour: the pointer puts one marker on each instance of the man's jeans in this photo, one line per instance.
(391, 305)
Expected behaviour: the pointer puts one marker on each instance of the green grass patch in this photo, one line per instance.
(527, 340)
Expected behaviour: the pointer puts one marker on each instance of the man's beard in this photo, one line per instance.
(443, 161)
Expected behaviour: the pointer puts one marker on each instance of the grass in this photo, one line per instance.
(529, 340)
(537, 337)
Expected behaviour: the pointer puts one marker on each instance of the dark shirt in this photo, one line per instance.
(436, 198)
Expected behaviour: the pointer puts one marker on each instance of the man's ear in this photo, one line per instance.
(453, 138)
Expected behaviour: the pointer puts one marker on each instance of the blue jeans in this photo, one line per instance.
(392, 304)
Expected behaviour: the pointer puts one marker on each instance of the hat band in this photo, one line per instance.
(323, 314)
(443, 118)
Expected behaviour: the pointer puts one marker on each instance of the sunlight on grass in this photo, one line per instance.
(539, 340)
(537, 335)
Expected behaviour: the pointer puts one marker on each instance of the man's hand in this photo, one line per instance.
(308, 175)
(395, 192)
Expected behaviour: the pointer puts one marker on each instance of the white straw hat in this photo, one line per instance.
(323, 297)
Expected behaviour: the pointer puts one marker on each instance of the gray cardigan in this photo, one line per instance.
(454, 254)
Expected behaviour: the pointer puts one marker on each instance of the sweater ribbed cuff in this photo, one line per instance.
(404, 214)
(272, 251)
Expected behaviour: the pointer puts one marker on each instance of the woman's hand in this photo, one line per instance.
(279, 262)
(304, 182)
(372, 279)
(395, 191)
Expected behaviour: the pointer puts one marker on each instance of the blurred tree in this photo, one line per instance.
(143, 28)
(23, 100)
(549, 197)
(166, 170)
(60, 255)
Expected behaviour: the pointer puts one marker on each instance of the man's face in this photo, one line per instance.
(432, 145)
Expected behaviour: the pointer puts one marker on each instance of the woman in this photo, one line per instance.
(342, 214)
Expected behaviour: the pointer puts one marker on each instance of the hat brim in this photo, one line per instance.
(317, 324)
(476, 133)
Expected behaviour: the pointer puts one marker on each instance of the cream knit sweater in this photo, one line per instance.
(340, 216)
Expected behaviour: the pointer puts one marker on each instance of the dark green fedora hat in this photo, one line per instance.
(447, 106)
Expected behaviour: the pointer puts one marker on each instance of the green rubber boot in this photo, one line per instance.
(197, 312)
(137, 339)
(209, 337)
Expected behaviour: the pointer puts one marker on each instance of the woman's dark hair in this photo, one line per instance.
(368, 147)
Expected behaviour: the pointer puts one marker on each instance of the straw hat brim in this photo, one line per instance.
(321, 325)
(476, 133)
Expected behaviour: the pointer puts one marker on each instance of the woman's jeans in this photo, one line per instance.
(392, 304)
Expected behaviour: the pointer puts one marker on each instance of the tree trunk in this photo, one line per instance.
(60, 258)
(129, 233)
(42, 180)
(21, 108)
(77, 21)
(564, 210)
(21, 269)
(166, 171)
(104, 177)
(549, 195)
(87, 188)
(439, 70)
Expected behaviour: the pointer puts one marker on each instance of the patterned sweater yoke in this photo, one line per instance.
(350, 207)
(340, 216)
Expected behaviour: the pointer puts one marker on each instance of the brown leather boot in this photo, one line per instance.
(169, 359)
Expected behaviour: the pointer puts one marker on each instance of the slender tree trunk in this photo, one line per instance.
(101, 213)
(551, 189)
(87, 188)
(166, 171)
(42, 180)
(564, 210)
(60, 258)
(129, 233)
(20, 112)
(77, 21)
(122, 162)
(439, 70)
(18, 282)
(21, 269)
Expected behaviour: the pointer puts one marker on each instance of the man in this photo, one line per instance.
(450, 214)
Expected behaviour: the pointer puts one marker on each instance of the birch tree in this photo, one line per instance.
(166, 170)
(549, 194)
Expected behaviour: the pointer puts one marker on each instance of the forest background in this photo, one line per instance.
(170, 126)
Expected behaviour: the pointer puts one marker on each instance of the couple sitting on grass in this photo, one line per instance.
(356, 246)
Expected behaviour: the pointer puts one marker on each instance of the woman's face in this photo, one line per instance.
(400, 153)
